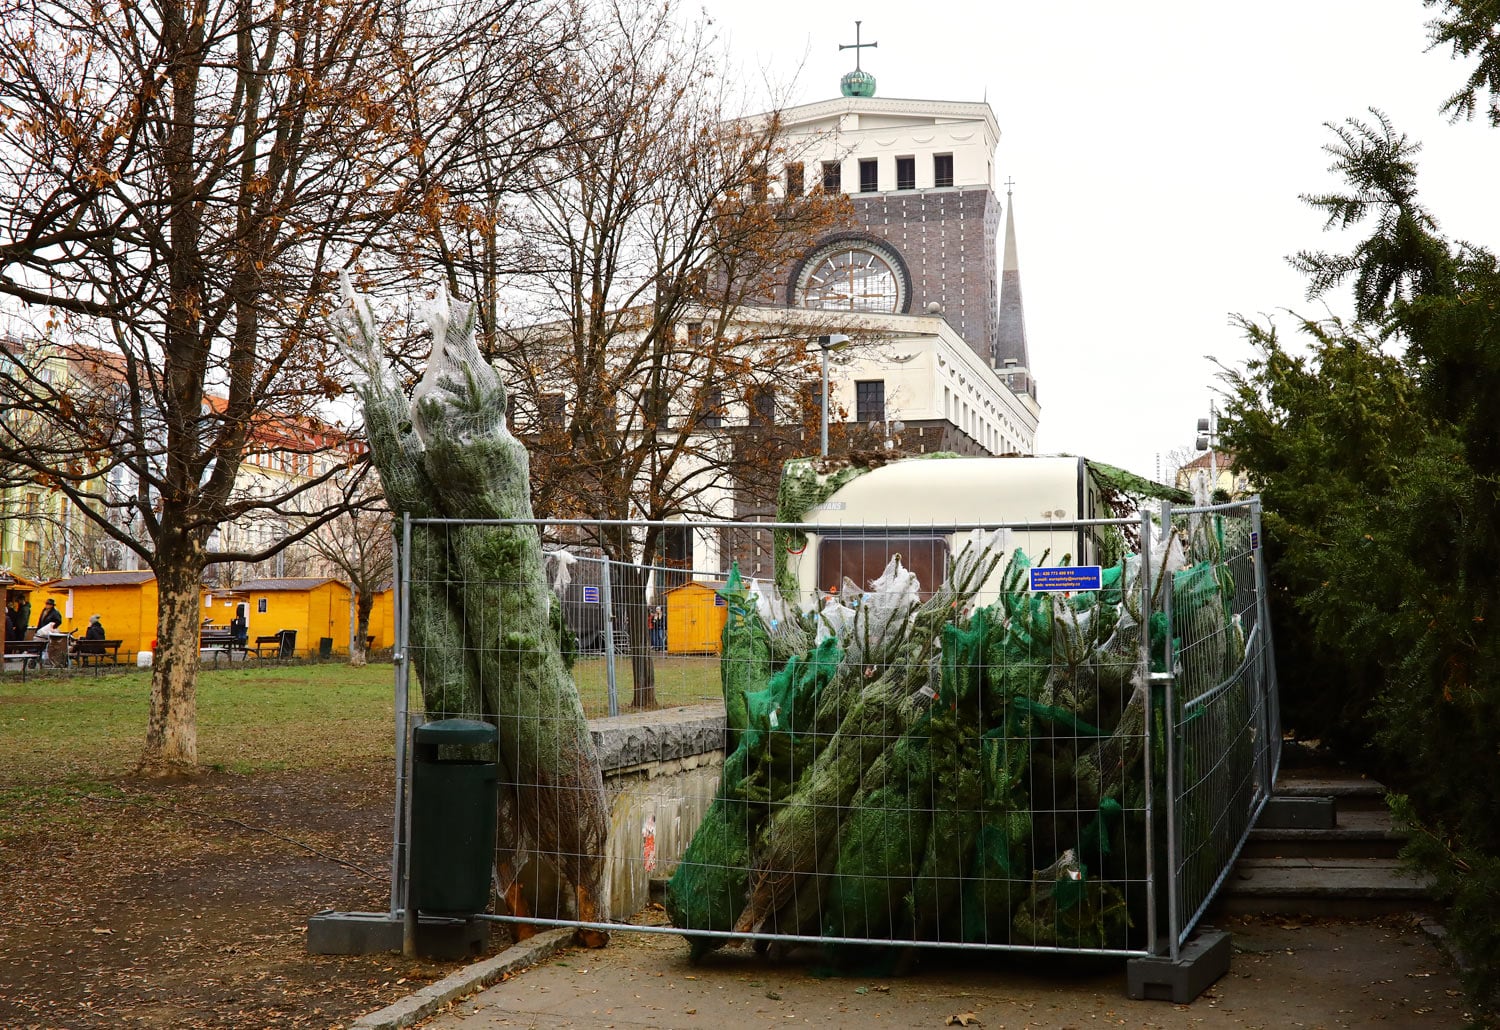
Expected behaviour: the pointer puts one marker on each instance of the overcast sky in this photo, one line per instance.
(1158, 151)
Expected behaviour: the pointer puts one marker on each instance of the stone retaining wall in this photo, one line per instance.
(661, 770)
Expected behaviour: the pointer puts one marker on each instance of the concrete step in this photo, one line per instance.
(1350, 791)
(1357, 833)
(1344, 887)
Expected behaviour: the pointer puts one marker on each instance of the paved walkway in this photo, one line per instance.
(1285, 973)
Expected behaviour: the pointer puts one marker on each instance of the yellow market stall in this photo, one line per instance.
(18, 599)
(695, 618)
(383, 621)
(317, 610)
(124, 601)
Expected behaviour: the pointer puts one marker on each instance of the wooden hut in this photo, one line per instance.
(317, 610)
(18, 590)
(383, 620)
(125, 602)
(696, 613)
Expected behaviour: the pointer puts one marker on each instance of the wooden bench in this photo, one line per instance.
(275, 645)
(28, 652)
(96, 652)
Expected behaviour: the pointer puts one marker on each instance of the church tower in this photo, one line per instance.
(919, 175)
(916, 271)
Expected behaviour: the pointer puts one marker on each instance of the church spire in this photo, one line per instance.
(1010, 338)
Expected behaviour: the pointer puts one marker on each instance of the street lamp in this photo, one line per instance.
(1208, 440)
(833, 341)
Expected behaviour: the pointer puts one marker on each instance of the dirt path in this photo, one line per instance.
(168, 905)
(1284, 974)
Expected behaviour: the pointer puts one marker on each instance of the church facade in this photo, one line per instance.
(924, 280)
(919, 280)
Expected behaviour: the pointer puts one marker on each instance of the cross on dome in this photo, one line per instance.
(858, 83)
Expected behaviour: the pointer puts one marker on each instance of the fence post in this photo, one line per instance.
(1271, 692)
(1154, 881)
(401, 833)
(1167, 680)
(609, 641)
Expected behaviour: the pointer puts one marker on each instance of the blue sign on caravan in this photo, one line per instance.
(1053, 578)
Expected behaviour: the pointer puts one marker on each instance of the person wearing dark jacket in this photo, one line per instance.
(95, 630)
(50, 615)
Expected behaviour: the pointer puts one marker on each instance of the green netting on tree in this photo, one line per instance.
(956, 728)
(744, 657)
(708, 889)
(482, 627)
(882, 843)
(913, 788)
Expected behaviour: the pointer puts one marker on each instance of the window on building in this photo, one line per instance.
(260, 606)
(713, 416)
(942, 169)
(550, 411)
(869, 400)
(32, 503)
(833, 177)
(758, 187)
(696, 336)
(762, 405)
(656, 409)
(810, 399)
(794, 179)
(869, 175)
(906, 173)
(31, 556)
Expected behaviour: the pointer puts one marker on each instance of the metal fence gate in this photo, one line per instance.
(989, 766)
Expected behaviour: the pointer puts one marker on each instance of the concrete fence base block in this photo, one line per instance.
(1201, 961)
(367, 933)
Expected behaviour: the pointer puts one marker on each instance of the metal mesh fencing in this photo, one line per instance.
(919, 750)
(1221, 699)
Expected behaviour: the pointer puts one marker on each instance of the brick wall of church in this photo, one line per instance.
(948, 239)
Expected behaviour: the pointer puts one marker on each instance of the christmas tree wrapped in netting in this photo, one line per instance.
(486, 633)
(938, 770)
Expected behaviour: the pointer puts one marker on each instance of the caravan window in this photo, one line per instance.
(863, 558)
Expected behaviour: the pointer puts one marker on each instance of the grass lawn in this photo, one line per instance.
(90, 728)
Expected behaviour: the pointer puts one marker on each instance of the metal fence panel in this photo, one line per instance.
(1225, 731)
(975, 771)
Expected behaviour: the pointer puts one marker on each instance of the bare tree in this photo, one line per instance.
(650, 229)
(183, 178)
(360, 545)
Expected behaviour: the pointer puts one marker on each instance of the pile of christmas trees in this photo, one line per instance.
(910, 766)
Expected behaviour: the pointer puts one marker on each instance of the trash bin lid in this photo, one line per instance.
(456, 731)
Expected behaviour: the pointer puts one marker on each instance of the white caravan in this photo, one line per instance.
(910, 507)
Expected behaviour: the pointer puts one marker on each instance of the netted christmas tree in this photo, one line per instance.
(484, 626)
(935, 770)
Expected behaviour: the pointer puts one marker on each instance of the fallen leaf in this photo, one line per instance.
(963, 1019)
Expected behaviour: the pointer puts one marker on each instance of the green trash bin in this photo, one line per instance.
(454, 793)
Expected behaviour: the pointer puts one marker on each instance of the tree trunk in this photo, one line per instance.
(172, 725)
(364, 603)
(629, 582)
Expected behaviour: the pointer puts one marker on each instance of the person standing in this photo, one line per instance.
(239, 633)
(50, 615)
